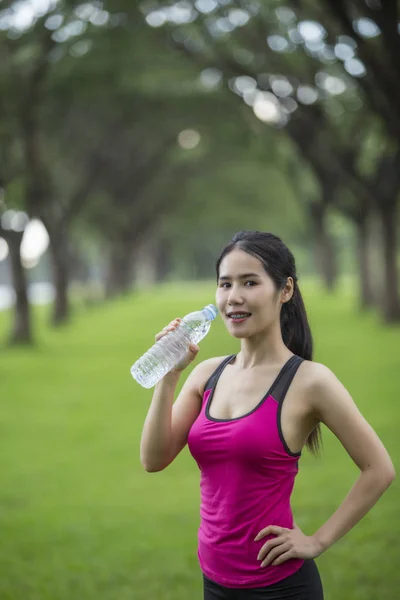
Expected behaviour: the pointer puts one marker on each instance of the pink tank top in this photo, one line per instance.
(247, 477)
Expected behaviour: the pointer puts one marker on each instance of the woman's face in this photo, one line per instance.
(246, 296)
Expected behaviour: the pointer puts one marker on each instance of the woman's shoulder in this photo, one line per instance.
(318, 385)
(316, 375)
(314, 368)
(206, 368)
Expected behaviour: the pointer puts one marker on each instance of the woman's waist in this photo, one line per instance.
(226, 527)
(237, 565)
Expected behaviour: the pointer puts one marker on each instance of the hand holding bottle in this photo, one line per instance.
(176, 351)
(192, 352)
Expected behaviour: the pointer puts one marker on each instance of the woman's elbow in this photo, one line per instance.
(152, 467)
(388, 472)
(384, 476)
(390, 475)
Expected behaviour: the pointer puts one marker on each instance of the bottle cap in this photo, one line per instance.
(211, 311)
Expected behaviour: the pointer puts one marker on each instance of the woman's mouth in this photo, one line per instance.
(238, 317)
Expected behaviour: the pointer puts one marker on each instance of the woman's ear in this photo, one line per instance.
(288, 290)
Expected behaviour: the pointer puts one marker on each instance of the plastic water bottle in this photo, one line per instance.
(172, 348)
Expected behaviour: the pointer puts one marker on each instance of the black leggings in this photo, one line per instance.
(305, 584)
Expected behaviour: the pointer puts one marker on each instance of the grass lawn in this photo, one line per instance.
(81, 520)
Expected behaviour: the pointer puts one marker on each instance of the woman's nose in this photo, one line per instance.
(235, 296)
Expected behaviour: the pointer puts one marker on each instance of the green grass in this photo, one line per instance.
(81, 520)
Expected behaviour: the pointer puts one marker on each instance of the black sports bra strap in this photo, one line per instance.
(212, 380)
(281, 386)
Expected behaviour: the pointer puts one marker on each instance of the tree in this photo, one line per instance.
(231, 40)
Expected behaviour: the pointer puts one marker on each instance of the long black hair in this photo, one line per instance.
(279, 263)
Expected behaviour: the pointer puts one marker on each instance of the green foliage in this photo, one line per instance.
(79, 516)
(89, 101)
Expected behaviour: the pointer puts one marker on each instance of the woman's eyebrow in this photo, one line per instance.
(243, 276)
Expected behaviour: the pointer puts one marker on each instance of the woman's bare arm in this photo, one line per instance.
(335, 407)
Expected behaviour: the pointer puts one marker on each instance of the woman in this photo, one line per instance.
(246, 419)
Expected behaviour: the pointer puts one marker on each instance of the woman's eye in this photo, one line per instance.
(226, 285)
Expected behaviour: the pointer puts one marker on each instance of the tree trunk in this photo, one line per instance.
(119, 275)
(390, 296)
(325, 255)
(367, 296)
(60, 266)
(145, 267)
(78, 266)
(22, 330)
(162, 259)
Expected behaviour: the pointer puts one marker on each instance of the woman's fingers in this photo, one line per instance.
(193, 349)
(290, 543)
(283, 557)
(168, 328)
(269, 545)
(270, 530)
(275, 552)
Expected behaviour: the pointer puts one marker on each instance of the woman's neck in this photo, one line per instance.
(261, 351)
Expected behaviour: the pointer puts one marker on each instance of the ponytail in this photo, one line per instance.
(296, 334)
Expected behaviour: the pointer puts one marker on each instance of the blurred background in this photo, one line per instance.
(135, 139)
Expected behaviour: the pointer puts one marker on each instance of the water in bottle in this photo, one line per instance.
(172, 348)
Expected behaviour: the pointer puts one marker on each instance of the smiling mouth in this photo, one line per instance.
(239, 317)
